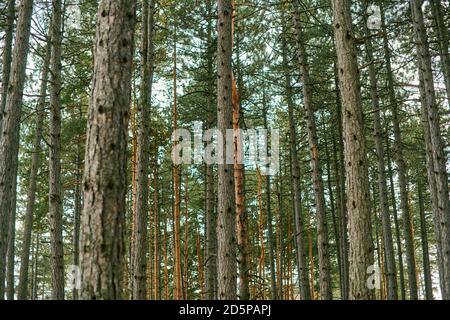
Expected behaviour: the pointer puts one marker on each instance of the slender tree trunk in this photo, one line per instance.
(55, 191)
(424, 238)
(226, 224)
(300, 241)
(103, 217)
(396, 223)
(22, 290)
(273, 284)
(398, 148)
(9, 136)
(322, 225)
(178, 291)
(77, 213)
(143, 153)
(361, 252)
(443, 36)
(338, 150)
(210, 214)
(390, 270)
(7, 55)
(439, 157)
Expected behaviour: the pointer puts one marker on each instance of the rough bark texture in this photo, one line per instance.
(300, 240)
(22, 290)
(389, 258)
(103, 217)
(9, 136)
(143, 153)
(7, 55)
(338, 151)
(322, 225)
(226, 224)
(55, 191)
(360, 251)
(439, 158)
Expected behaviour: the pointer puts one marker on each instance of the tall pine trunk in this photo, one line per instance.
(322, 225)
(389, 258)
(9, 136)
(300, 240)
(22, 290)
(7, 55)
(226, 212)
(360, 251)
(103, 217)
(438, 156)
(55, 191)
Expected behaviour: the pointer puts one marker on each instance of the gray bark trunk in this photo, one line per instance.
(360, 251)
(389, 259)
(322, 225)
(302, 264)
(22, 290)
(55, 191)
(425, 251)
(9, 136)
(103, 216)
(226, 224)
(439, 157)
(210, 214)
(143, 152)
(443, 35)
(7, 55)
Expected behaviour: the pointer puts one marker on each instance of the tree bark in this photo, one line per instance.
(9, 136)
(424, 242)
(360, 251)
(389, 259)
(439, 157)
(103, 217)
(55, 191)
(22, 290)
(442, 35)
(300, 241)
(210, 214)
(7, 55)
(226, 224)
(143, 152)
(322, 225)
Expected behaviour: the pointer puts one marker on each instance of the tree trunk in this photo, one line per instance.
(273, 284)
(322, 225)
(361, 252)
(424, 238)
(210, 214)
(226, 224)
(77, 213)
(7, 55)
(22, 290)
(396, 224)
(9, 136)
(442, 35)
(390, 269)
(338, 151)
(300, 240)
(103, 217)
(143, 153)
(439, 157)
(55, 192)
